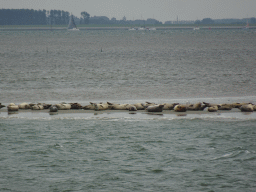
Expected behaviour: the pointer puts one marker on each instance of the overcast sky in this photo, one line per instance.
(162, 10)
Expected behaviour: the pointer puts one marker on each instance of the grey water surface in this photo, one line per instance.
(108, 151)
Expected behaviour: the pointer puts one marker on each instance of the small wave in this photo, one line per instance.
(236, 154)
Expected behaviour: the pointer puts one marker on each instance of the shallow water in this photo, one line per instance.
(127, 155)
(133, 65)
(110, 151)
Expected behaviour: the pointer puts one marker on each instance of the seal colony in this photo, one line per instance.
(147, 106)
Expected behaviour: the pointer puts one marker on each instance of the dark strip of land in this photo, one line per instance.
(121, 28)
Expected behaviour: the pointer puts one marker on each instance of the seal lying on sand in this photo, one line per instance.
(196, 107)
(63, 106)
(213, 108)
(46, 106)
(24, 106)
(13, 107)
(76, 106)
(53, 109)
(246, 108)
(238, 105)
(101, 106)
(139, 106)
(210, 104)
(37, 107)
(180, 108)
(89, 107)
(149, 104)
(118, 106)
(155, 108)
(169, 106)
(132, 108)
(225, 106)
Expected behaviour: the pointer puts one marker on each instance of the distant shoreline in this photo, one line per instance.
(120, 28)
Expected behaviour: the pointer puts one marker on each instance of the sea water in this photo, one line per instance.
(110, 151)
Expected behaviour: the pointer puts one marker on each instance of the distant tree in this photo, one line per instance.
(207, 21)
(85, 17)
(253, 20)
(113, 20)
(99, 20)
(197, 22)
(51, 17)
(124, 18)
(22, 17)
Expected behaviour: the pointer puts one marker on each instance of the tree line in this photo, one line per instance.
(22, 17)
(59, 17)
(33, 17)
(251, 20)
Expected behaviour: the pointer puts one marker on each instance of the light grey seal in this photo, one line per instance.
(119, 106)
(63, 106)
(155, 108)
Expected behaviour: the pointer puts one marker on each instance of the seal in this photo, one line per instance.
(100, 106)
(89, 107)
(37, 107)
(225, 106)
(139, 106)
(196, 107)
(53, 109)
(24, 106)
(209, 104)
(63, 106)
(149, 104)
(213, 108)
(119, 106)
(246, 108)
(180, 108)
(13, 107)
(1, 106)
(76, 106)
(238, 105)
(169, 106)
(46, 106)
(155, 108)
(132, 108)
